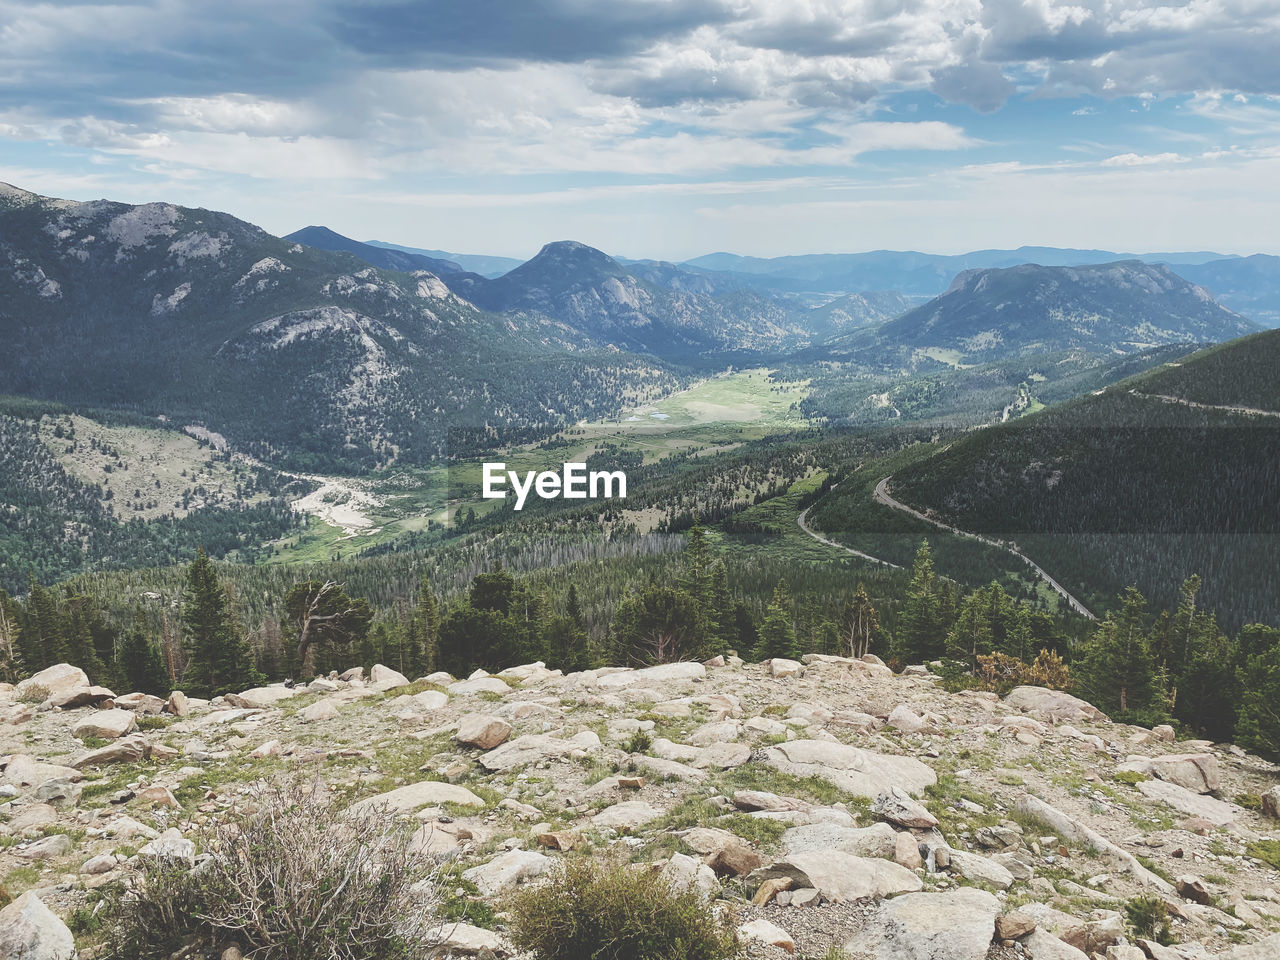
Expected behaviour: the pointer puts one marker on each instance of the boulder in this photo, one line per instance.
(46, 848)
(770, 934)
(1013, 926)
(856, 771)
(1042, 945)
(31, 931)
(464, 940)
(979, 869)
(906, 851)
(172, 846)
(53, 680)
(321, 710)
(905, 720)
(384, 678)
(1193, 889)
(895, 806)
(1271, 803)
(1267, 948)
(685, 873)
(25, 771)
(1218, 812)
(842, 876)
(143, 704)
(417, 795)
(482, 731)
(178, 704)
(1070, 829)
(752, 800)
(73, 697)
(32, 817)
(780, 667)
(662, 673)
(476, 685)
(1053, 705)
(530, 748)
(1197, 772)
(430, 700)
(723, 756)
(877, 840)
(504, 873)
(957, 925)
(627, 815)
(60, 791)
(260, 698)
(105, 725)
(125, 750)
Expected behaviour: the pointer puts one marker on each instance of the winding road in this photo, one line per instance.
(802, 523)
(1245, 411)
(883, 496)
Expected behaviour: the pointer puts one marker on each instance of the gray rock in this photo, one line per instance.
(626, 815)
(106, 725)
(49, 848)
(877, 840)
(31, 931)
(860, 772)
(958, 925)
(979, 869)
(842, 877)
(482, 731)
(504, 873)
(418, 795)
(1053, 705)
(1218, 812)
(895, 806)
(1043, 945)
(1197, 772)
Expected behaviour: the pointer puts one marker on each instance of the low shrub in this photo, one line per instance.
(1149, 919)
(592, 911)
(285, 876)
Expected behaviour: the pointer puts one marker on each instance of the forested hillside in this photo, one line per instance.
(1127, 488)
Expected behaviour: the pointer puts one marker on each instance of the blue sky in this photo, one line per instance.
(665, 128)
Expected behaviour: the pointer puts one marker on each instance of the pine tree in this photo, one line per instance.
(1258, 726)
(427, 615)
(777, 630)
(219, 660)
(138, 662)
(1117, 670)
(921, 635)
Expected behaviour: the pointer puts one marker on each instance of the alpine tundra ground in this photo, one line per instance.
(830, 805)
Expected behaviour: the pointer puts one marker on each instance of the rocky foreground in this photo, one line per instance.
(830, 804)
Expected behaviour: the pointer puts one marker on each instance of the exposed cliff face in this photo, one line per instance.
(855, 806)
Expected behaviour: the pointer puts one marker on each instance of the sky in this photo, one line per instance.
(664, 128)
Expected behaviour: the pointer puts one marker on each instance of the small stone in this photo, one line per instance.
(770, 889)
(767, 933)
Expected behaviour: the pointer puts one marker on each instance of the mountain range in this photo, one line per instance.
(296, 353)
(358, 356)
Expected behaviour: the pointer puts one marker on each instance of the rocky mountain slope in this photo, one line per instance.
(653, 308)
(322, 238)
(283, 348)
(830, 804)
(1114, 308)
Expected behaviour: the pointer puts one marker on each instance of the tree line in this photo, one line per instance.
(1138, 666)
